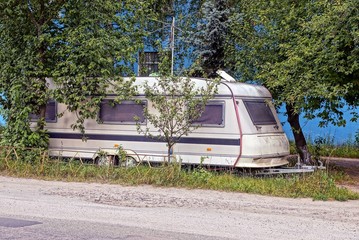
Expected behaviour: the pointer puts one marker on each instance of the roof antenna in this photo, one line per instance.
(225, 76)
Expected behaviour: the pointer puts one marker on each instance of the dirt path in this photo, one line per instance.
(204, 214)
(349, 166)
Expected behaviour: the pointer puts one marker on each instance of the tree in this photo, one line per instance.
(175, 103)
(210, 36)
(281, 45)
(330, 40)
(81, 45)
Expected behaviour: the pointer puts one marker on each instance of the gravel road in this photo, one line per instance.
(64, 210)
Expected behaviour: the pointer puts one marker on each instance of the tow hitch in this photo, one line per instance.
(298, 168)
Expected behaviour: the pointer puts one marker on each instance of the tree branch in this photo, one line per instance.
(32, 17)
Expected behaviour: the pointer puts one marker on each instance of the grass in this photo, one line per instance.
(320, 185)
(326, 147)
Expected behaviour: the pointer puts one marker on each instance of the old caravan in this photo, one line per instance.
(239, 128)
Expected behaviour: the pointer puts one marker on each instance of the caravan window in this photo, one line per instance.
(260, 112)
(125, 113)
(50, 115)
(213, 115)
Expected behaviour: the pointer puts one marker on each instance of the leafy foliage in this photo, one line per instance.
(305, 52)
(83, 46)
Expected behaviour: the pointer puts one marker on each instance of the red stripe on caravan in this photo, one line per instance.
(238, 122)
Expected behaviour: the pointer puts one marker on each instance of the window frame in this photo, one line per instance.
(143, 103)
(222, 125)
(252, 117)
(35, 117)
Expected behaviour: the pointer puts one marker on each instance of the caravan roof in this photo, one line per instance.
(224, 88)
(238, 89)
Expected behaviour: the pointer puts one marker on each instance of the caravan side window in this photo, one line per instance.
(124, 113)
(50, 115)
(213, 115)
(260, 112)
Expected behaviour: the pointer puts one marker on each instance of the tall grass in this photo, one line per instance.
(327, 147)
(320, 185)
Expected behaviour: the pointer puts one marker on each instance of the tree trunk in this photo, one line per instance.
(169, 152)
(300, 142)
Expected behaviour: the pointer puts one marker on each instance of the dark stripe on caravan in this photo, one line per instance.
(131, 138)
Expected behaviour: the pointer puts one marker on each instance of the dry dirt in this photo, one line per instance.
(349, 166)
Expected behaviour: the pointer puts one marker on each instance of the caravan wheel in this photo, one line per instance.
(96, 160)
(128, 162)
(102, 161)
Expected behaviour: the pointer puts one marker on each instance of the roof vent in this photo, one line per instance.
(225, 76)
